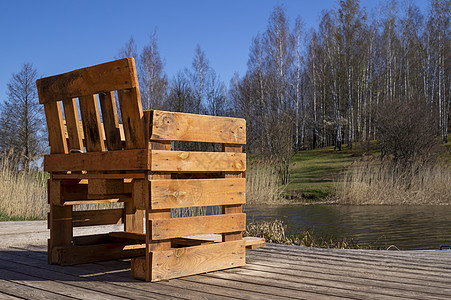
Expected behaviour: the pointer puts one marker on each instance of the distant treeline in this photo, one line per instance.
(328, 86)
(318, 87)
(303, 88)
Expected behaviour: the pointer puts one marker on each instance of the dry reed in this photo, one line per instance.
(23, 194)
(263, 184)
(275, 231)
(389, 183)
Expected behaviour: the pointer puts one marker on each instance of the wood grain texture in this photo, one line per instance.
(154, 214)
(175, 126)
(110, 76)
(197, 259)
(100, 186)
(55, 127)
(132, 118)
(73, 255)
(90, 116)
(236, 208)
(180, 227)
(178, 193)
(132, 160)
(110, 121)
(72, 123)
(189, 161)
(97, 217)
(126, 176)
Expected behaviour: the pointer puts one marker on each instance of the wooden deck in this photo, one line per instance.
(273, 272)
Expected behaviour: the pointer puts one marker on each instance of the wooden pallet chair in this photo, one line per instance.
(102, 162)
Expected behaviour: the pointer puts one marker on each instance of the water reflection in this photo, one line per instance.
(406, 227)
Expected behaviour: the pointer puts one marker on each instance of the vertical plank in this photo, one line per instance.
(154, 214)
(134, 218)
(132, 118)
(72, 123)
(55, 127)
(110, 121)
(232, 209)
(60, 221)
(92, 129)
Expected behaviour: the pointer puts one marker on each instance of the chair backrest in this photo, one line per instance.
(90, 86)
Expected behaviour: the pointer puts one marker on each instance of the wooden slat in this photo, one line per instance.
(103, 186)
(100, 176)
(188, 161)
(180, 227)
(97, 217)
(177, 193)
(203, 239)
(132, 118)
(122, 198)
(73, 255)
(175, 126)
(132, 160)
(254, 242)
(89, 110)
(72, 121)
(130, 237)
(154, 214)
(236, 208)
(110, 121)
(198, 259)
(115, 75)
(55, 127)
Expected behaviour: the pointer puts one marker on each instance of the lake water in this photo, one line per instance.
(406, 227)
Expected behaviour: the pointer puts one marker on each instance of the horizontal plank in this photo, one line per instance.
(133, 160)
(127, 176)
(254, 242)
(72, 255)
(123, 236)
(123, 198)
(102, 186)
(251, 242)
(110, 76)
(177, 193)
(174, 126)
(97, 217)
(190, 161)
(197, 259)
(179, 227)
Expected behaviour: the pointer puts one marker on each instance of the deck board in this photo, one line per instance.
(272, 272)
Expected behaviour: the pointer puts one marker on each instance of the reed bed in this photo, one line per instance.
(275, 231)
(263, 184)
(388, 183)
(23, 194)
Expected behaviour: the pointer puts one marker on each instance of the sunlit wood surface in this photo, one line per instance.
(272, 272)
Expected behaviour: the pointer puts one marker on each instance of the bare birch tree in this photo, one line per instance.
(22, 117)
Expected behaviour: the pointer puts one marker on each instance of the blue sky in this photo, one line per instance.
(59, 36)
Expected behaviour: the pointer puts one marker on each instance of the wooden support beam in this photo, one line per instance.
(133, 160)
(73, 255)
(97, 217)
(59, 222)
(235, 208)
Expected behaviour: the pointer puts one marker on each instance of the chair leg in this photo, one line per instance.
(59, 222)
